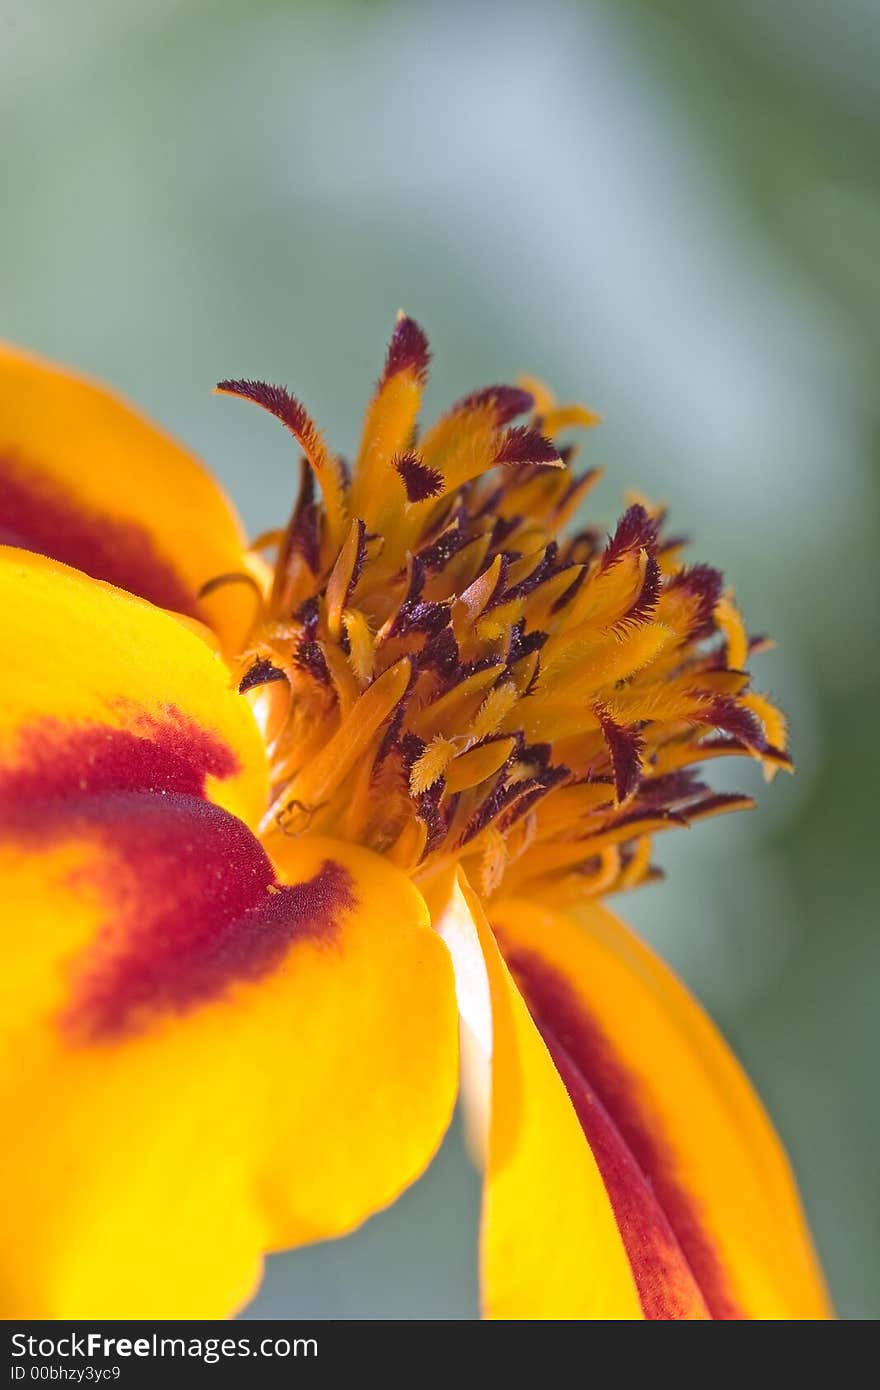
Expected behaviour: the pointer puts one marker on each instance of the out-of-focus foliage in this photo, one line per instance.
(670, 207)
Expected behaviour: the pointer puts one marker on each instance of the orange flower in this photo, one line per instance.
(265, 833)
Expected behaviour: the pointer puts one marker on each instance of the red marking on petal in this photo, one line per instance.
(171, 754)
(38, 514)
(661, 1225)
(192, 902)
(211, 915)
(665, 1284)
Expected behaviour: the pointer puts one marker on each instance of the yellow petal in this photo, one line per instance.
(274, 1079)
(81, 657)
(209, 1055)
(681, 1107)
(550, 1247)
(88, 480)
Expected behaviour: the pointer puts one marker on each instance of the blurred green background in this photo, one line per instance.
(669, 208)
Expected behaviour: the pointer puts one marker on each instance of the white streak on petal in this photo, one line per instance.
(455, 925)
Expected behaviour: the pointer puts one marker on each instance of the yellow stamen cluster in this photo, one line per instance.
(443, 677)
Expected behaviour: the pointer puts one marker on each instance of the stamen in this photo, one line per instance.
(408, 350)
(467, 683)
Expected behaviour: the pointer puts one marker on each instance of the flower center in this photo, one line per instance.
(443, 676)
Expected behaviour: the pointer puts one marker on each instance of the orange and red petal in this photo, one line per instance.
(207, 1054)
(550, 1243)
(700, 1187)
(87, 480)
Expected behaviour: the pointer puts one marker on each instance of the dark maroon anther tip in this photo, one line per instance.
(523, 644)
(309, 657)
(276, 399)
(778, 756)
(507, 402)
(436, 554)
(309, 614)
(672, 790)
(638, 817)
(523, 445)
(416, 579)
(415, 616)
(718, 801)
(408, 349)
(625, 745)
(537, 754)
(440, 654)
(705, 584)
(636, 530)
(411, 749)
(649, 593)
(261, 673)
(419, 481)
(724, 713)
